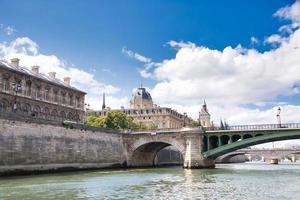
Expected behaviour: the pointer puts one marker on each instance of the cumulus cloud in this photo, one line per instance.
(241, 85)
(28, 52)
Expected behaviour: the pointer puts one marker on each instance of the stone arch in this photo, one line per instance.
(76, 117)
(46, 112)
(226, 158)
(54, 114)
(62, 115)
(36, 111)
(70, 116)
(4, 105)
(143, 153)
(26, 109)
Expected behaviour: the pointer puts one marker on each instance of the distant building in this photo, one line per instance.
(142, 110)
(204, 116)
(31, 93)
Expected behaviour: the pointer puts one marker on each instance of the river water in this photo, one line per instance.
(227, 181)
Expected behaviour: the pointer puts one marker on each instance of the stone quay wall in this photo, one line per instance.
(31, 147)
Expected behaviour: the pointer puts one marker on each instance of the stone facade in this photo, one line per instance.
(204, 116)
(27, 147)
(29, 92)
(142, 110)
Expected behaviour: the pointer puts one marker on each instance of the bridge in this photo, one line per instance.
(266, 154)
(200, 147)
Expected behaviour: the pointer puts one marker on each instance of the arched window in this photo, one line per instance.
(36, 111)
(62, 115)
(26, 109)
(4, 105)
(54, 114)
(70, 116)
(46, 112)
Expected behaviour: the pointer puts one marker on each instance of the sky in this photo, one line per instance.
(242, 57)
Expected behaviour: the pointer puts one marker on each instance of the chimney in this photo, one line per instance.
(67, 80)
(15, 62)
(52, 75)
(35, 69)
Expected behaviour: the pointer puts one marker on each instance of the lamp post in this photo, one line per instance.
(16, 88)
(278, 117)
(87, 107)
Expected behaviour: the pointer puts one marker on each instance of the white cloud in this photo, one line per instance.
(135, 55)
(291, 13)
(232, 79)
(9, 30)
(28, 52)
(254, 40)
(274, 39)
(181, 44)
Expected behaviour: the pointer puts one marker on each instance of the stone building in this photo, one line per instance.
(31, 93)
(142, 110)
(204, 116)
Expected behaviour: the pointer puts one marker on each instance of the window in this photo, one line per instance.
(71, 100)
(28, 88)
(77, 102)
(63, 98)
(47, 91)
(55, 96)
(37, 91)
(5, 85)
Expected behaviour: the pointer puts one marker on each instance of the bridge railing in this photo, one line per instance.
(255, 127)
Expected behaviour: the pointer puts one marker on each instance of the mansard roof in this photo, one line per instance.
(24, 70)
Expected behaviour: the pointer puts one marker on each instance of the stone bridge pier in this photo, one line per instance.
(142, 148)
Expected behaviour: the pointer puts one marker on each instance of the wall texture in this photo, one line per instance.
(27, 147)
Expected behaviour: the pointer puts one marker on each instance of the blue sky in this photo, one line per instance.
(183, 51)
(91, 34)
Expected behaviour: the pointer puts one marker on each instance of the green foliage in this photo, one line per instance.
(195, 123)
(113, 120)
(117, 120)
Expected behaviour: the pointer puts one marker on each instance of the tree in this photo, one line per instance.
(195, 123)
(113, 120)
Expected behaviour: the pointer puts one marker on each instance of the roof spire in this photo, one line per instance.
(103, 101)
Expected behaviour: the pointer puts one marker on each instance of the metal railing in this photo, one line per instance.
(255, 127)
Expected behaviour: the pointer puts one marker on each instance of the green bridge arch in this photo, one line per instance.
(252, 138)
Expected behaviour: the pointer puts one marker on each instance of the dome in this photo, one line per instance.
(141, 99)
(142, 94)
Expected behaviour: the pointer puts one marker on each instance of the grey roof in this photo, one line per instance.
(142, 94)
(26, 71)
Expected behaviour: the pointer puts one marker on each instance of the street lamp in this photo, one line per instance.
(16, 88)
(87, 107)
(278, 117)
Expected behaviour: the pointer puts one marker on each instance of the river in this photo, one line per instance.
(227, 181)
